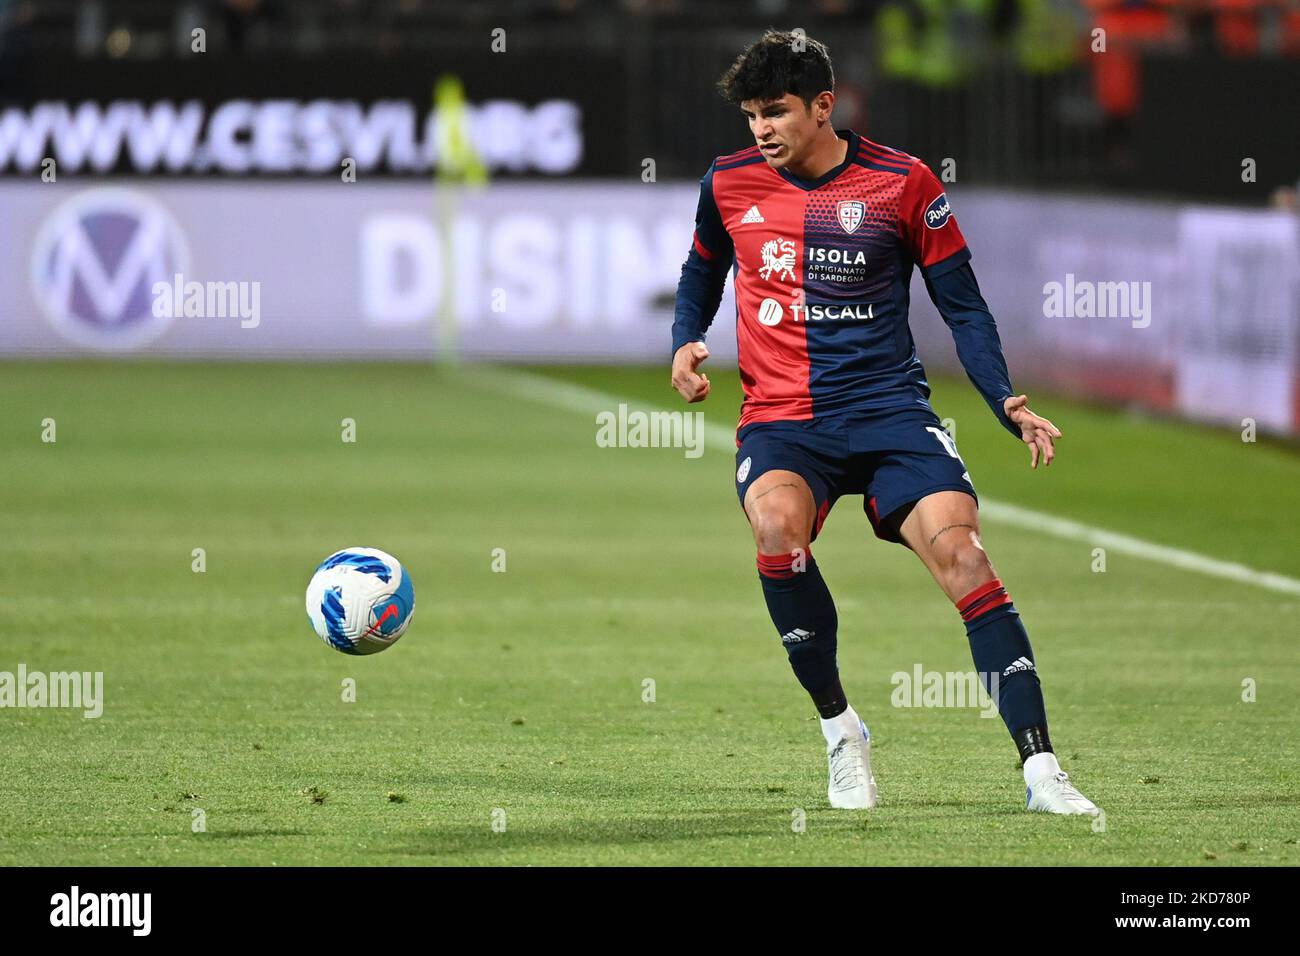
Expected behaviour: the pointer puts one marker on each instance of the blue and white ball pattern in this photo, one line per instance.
(360, 600)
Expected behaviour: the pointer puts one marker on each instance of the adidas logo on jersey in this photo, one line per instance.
(1019, 664)
(752, 216)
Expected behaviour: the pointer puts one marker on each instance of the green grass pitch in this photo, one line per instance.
(517, 697)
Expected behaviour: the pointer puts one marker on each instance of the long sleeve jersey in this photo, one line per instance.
(822, 271)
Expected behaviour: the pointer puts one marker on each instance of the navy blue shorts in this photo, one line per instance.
(892, 459)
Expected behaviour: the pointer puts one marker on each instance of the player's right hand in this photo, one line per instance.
(691, 385)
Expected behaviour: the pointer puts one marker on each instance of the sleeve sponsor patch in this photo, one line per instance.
(938, 212)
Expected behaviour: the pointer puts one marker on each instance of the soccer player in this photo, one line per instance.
(821, 229)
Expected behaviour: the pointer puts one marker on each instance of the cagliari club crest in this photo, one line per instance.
(851, 213)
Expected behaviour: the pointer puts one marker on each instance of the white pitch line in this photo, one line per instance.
(583, 400)
(1127, 544)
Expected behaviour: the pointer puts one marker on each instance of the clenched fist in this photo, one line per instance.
(690, 384)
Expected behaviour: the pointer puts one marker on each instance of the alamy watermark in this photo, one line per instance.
(636, 429)
(129, 910)
(922, 688)
(208, 300)
(1084, 299)
(79, 690)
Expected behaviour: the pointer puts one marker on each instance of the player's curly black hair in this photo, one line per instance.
(778, 63)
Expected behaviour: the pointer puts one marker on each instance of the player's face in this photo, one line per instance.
(784, 129)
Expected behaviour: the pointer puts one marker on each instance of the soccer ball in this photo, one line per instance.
(360, 600)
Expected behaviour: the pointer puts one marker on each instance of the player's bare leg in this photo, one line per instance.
(782, 510)
(943, 530)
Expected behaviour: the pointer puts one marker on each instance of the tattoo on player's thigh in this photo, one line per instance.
(785, 484)
(949, 528)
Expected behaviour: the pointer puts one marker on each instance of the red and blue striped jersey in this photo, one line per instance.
(822, 271)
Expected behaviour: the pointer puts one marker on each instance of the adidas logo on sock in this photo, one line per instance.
(1020, 664)
(752, 216)
(796, 636)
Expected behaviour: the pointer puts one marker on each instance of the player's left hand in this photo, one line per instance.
(1035, 431)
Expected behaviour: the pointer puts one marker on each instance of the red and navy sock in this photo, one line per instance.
(1000, 645)
(804, 614)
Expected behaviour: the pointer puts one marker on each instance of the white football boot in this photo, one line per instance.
(1048, 789)
(852, 787)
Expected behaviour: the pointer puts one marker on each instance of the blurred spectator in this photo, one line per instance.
(246, 23)
(16, 17)
(1286, 198)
